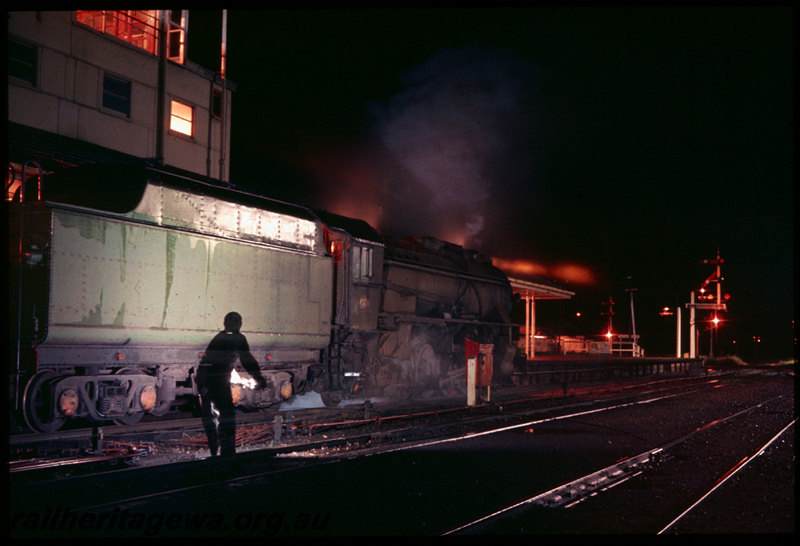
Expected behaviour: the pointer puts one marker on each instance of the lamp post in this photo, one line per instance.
(667, 312)
(633, 323)
(692, 326)
(712, 336)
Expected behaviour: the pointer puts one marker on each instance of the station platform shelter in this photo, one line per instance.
(530, 292)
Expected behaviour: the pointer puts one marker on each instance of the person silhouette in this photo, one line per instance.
(214, 383)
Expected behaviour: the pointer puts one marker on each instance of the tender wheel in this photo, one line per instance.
(38, 403)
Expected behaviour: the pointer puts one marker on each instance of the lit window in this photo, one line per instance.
(136, 27)
(176, 35)
(181, 118)
(94, 19)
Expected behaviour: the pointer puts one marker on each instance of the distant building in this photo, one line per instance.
(88, 87)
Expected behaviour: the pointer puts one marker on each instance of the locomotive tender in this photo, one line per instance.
(120, 276)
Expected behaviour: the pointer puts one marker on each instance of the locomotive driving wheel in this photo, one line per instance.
(426, 367)
(39, 403)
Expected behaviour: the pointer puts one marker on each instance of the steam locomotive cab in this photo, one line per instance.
(357, 252)
(404, 309)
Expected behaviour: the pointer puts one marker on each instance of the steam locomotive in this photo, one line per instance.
(120, 275)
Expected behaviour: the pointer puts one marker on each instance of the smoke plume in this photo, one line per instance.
(444, 151)
(455, 120)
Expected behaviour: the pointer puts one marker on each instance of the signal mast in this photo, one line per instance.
(707, 301)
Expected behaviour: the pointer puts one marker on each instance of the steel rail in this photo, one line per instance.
(728, 475)
(294, 464)
(244, 434)
(572, 492)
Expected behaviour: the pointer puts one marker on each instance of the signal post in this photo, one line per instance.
(707, 301)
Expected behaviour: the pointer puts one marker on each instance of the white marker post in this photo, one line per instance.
(472, 373)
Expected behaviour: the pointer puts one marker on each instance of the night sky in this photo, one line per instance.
(605, 148)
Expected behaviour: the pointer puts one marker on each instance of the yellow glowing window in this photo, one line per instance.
(181, 118)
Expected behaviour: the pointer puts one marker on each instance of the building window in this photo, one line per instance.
(117, 94)
(136, 27)
(181, 118)
(22, 61)
(216, 104)
(176, 34)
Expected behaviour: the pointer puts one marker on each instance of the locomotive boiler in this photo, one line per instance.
(121, 275)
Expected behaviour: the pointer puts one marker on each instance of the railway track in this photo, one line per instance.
(594, 485)
(272, 471)
(183, 438)
(725, 478)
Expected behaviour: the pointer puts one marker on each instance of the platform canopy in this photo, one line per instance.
(530, 291)
(538, 290)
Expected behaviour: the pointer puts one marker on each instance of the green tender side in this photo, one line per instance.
(115, 281)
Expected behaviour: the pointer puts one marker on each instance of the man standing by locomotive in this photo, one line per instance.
(214, 383)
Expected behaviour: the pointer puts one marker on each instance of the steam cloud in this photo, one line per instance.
(456, 120)
(446, 151)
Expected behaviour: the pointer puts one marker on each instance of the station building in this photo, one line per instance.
(112, 87)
